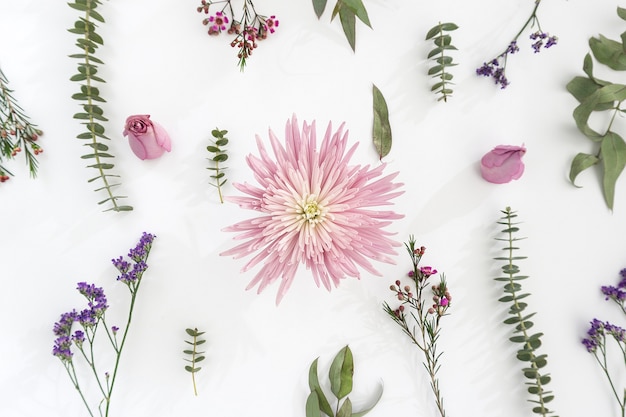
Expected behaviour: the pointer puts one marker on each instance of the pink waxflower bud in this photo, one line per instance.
(503, 164)
(147, 139)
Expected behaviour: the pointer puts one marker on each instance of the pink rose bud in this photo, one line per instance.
(503, 164)
(147, 139)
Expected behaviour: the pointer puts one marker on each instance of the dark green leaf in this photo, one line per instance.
(346, 409)
(608, 52)
(357, 8)
(77, 6)
(318, 7)
(314, 386)
(581, 162)
(341, 372)
(199, 358)
(221, 142)
(220, 157)
(213, 149)
(188, 352)
(381, 130)
(613, 154)
(188, 368)
(348, 23)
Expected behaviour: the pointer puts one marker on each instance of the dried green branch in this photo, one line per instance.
(443, 43)
(518, 318)
(220, 155)
(17, 133)
(194, 355)
(92, 115)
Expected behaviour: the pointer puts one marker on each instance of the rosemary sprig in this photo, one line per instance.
(194, 355)
(443, 43)
(220, 155)
(530, 342)
(92, 114)
(17, 133)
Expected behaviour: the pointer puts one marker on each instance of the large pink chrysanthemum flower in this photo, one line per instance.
(314, 209)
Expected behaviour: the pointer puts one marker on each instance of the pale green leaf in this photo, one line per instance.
(381, 131)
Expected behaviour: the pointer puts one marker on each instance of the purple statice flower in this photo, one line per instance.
(78, 337)
(552, 40)
(512, 48)
(494, 70)
(617, 332)
(596, 336)
(63, 343)
(613, 293)
(139, 255)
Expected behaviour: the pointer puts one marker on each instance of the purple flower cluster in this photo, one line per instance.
(617, 294)
(598, 332)
(139, 255)
(87, 318)
(496, 67)
(540, 37)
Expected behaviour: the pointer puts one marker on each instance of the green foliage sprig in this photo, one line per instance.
(341, 380)
(194, 355)
(427, 312)
(348, 11)
(17, 133)
(92, 115)
(530, 343)
(381, 130)
(443, 43)
(220, 155)
(596, 95)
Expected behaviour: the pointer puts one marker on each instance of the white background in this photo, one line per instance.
(160, 61)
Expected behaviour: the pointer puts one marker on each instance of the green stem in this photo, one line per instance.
(604, 365)
(193, 364)
(71, 371)
(443, 67)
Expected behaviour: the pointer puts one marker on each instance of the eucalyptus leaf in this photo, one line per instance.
(608, 52)
(381, 130)
(358, 9)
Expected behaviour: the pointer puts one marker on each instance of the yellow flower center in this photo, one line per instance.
(310, 210)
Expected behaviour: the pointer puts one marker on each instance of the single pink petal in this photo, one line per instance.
(503, 164)
(137, 147)
(162, 137)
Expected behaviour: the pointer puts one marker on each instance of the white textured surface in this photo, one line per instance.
(160, 61)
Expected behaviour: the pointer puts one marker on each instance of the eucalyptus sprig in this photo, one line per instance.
(194, 355)
(427, 313)
(381, 129)
(530, 342)
(600, 96)
(341, 380)
(443, 43)
(17, 133)
(92, 115)
(220, 155)
(348, 11)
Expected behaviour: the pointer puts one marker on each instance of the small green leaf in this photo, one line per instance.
(608, 52)
(381, 130)
(357, 8)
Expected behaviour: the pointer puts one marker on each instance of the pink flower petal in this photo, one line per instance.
(503, 164)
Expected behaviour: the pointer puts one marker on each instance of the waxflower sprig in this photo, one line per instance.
(249, 28)
(600, 333)
(530, 343)
(418, 307)
(496, 67)
(194, 355)
(92, 322)
(596, 95)
(17, 133)
(441, 61)
(340, 376)
(348, 11)
(219, 155)
(92, 115)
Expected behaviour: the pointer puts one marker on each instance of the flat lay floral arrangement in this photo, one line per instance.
(283, 234)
